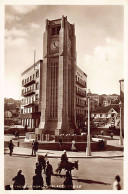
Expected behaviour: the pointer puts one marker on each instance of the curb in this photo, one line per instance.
(82, 157)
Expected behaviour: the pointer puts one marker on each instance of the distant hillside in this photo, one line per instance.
(11, 104)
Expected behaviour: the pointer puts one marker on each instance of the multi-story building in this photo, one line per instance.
(95, 98)
(31, 95)
(81, 86)
(54, 90)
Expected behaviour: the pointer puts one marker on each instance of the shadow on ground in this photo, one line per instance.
(90, 181)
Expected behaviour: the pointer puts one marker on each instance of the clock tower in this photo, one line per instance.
(58, 78)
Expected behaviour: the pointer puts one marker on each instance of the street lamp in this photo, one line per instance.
(88, 148)
(121, 137)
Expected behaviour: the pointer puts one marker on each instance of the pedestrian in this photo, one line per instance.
(102, 133)
(26, 127)
(49, 173)
(11, 146)
(19, 181)
(116, 184)
(38, 182)
(111, 135)
(39, 167)
(68, 184)
(35, 147)
(16, 133)
(60, 142)
(73, 148)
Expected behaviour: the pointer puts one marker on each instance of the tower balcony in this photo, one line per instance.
(28, 93)
(30, 82)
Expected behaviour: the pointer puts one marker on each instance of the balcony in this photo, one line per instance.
(79, 93)
(81, 83)
(34, 103)
(30, 82)
(28, 93)
(80, 105)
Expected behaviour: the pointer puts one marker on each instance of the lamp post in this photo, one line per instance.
(88, 148)
(121, 137)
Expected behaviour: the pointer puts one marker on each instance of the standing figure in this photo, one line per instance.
(111, 135)
(35, 147)
(48, 172)
(11, 146)
(39, 167)
(26, 127)
(68, 184)
(60, 142)
(73, 148)
(116, 184)
(102, 133)
(19, 181)
(38, 182)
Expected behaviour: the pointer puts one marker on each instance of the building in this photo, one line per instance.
(95, 98)
(54, 90)
(31, 95)
(81, 104)
(122, 103)
(106, 112)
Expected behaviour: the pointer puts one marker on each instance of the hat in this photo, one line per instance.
(20, 171)
(64, 151)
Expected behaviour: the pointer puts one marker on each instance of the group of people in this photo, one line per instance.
(73, 146)
(37, 180)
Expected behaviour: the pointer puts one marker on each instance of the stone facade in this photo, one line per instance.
(60, 79)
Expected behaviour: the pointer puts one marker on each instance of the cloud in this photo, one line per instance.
(34, 26)
(105, 67)
(15, 33)
(15, 37)
(24, 9)
(11, 18)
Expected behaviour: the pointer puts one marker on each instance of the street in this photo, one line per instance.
(92, 174)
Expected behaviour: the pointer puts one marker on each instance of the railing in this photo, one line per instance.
(30, 82)
(28, 93)
(30, 104)
(81, 83)
(81, 93)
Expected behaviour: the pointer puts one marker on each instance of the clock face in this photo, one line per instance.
(54, 45)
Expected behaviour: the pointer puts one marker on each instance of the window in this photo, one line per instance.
(36, 96)
(53, 31)
(58, 29)
(37, 85)
(100, 115)
(36, 108)
(37, 73)
(23, 82)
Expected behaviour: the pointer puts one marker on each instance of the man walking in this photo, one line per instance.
(35, 147)
(11, 146)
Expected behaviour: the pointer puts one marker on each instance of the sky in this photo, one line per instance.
(99, 33)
